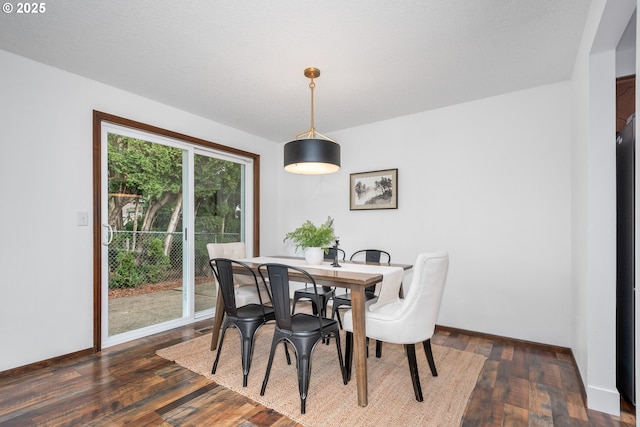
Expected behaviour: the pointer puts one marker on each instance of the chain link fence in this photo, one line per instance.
(137, 257)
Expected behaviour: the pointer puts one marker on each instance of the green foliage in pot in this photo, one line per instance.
(310, 236)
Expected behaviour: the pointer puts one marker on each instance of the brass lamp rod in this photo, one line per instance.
(312, 73)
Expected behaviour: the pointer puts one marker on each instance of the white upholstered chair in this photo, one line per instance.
(409, 320)
(245, 287)
(232, 250)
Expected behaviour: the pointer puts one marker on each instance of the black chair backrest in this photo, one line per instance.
(372, 255)
(223, 270)
(330, 254)
(279, 282)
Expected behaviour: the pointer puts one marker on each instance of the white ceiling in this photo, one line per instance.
(241, 62)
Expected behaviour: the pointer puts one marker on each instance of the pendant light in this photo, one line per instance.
(312, 153)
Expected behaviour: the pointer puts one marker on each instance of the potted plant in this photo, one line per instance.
(313, 239)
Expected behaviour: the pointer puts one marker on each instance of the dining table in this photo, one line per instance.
(353, 275)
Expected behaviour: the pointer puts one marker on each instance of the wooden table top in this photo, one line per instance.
(341, 277)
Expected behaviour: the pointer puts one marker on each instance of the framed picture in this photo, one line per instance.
(374, 190)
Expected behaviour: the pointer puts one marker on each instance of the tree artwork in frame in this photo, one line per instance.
(374, 190)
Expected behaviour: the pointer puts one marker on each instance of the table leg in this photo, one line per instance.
(359, 342)
(217, 320)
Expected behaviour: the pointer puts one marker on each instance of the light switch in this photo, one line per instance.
(83, 218)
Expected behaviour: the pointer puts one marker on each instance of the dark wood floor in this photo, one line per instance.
(520, 385)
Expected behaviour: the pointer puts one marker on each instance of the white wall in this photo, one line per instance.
(46, 290)
(593, 201)
(625, 62)
(580, 186)
(626, 50)
(489, 181)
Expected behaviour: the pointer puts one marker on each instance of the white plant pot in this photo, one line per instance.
(314, 256)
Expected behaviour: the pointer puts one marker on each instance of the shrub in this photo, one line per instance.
(156, 263)
(126, 274)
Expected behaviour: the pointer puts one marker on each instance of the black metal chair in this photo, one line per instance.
(344, 300)
(302, 331)
(366, 255)
(247, 319)
(320, 298)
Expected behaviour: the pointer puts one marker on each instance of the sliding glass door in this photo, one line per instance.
(218, 217)
(163, 200)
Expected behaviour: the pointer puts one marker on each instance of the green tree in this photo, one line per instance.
(146, 179)
(147, 174)
(216, 193)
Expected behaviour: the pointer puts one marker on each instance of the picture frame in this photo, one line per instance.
(374, 190)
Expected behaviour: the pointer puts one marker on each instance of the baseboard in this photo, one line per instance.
(603, 400)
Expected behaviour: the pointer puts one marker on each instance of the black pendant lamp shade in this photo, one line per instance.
(316, 154)
(311, 156)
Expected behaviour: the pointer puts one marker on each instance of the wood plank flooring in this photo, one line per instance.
(520, 385)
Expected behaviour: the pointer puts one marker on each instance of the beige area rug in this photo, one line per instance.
(330, 403)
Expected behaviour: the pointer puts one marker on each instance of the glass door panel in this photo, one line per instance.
(145, 256)
(218, 218)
